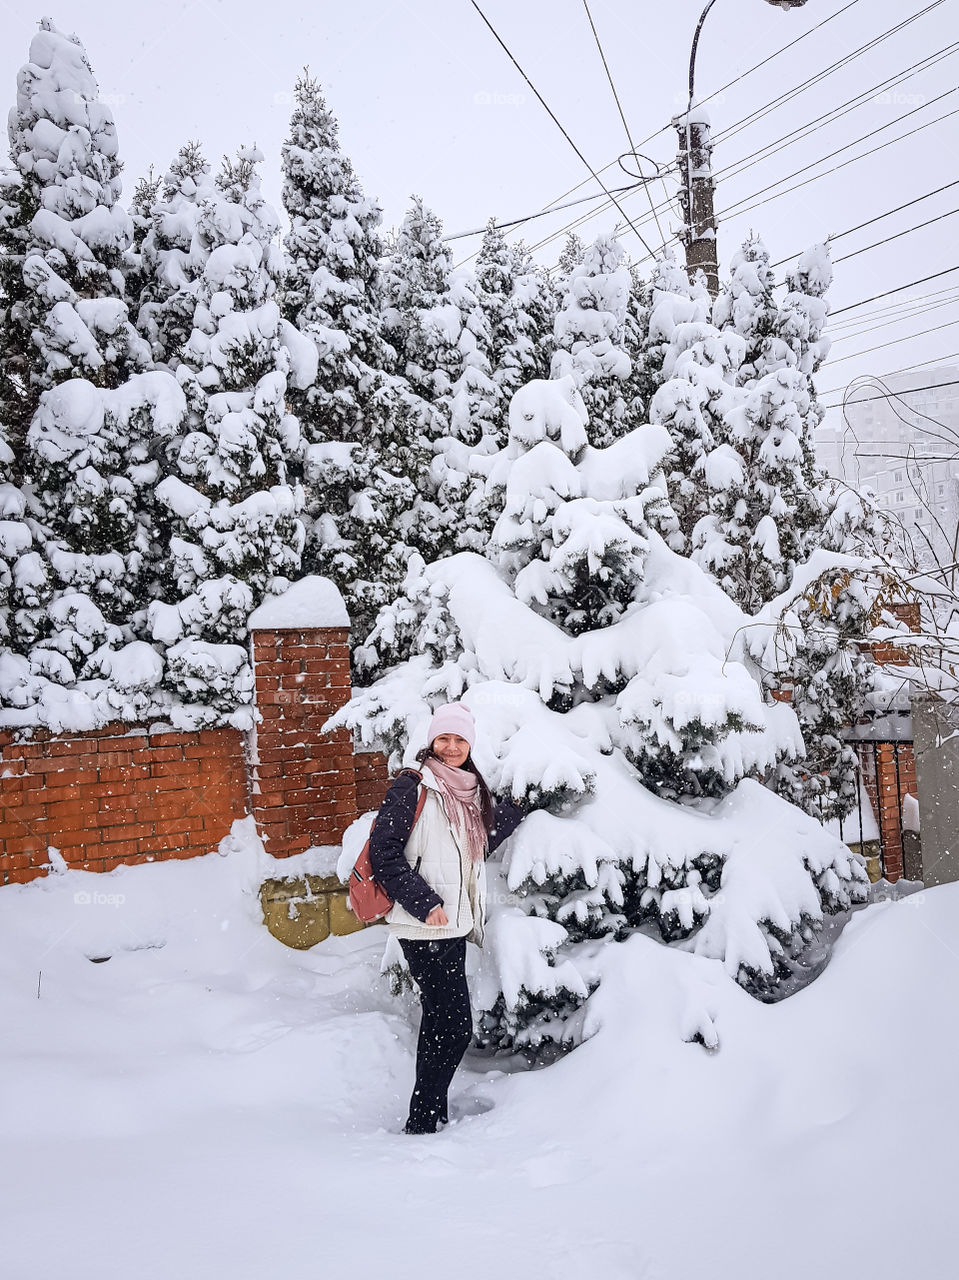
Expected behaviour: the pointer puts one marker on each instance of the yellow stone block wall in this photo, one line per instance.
(302, 912)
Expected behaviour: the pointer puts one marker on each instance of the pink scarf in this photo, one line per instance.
(458, 789)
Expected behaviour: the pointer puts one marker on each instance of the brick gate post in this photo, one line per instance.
(304, 784)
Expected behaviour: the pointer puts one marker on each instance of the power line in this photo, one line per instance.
(784, 49)
(765, 110)
(852, 160)
(722, 89)
(529, 217)
(899, 288)
(909, 368)
(780, 191)
(918, 412)
(863, 380)
(895, 342)
(840, 235)
(556, 121)
(899, 319)
(950, 440)
(899, 234)
(622, 115)
(838, 65)
(898, 310)
(804, 131)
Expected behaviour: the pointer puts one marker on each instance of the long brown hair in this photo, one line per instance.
(485, 795)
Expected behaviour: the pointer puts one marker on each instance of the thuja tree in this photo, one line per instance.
(78, 407)
(364, 448)
(230, 492)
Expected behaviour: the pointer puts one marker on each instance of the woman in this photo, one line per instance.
(435, 873)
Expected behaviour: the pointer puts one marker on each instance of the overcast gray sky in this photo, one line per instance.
(429, 103)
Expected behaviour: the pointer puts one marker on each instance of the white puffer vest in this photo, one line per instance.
(434, 851)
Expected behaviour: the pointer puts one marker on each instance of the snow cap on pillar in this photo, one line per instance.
(453, 717)
(311, 602)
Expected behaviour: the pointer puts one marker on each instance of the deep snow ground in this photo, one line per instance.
(207, 1103)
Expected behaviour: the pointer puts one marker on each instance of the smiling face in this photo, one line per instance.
(451, 749)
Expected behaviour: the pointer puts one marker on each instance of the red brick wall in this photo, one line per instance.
(116, 796)
(304, 785)
(887, 653)
(371, 780)
(123, 794)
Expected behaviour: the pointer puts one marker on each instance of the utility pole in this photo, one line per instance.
(696, 174)
(696, 196)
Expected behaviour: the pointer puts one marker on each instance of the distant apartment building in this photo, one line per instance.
(900, 436)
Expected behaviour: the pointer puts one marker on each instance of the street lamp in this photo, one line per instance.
(695, 152)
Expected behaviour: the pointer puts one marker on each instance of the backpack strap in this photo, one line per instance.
(421, 793)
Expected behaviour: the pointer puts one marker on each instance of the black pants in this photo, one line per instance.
(446, 1028)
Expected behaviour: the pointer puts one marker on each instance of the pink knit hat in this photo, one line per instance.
(453, 717)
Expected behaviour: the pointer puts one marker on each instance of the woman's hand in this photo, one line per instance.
(437, 916)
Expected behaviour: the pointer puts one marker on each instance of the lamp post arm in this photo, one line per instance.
(692, 51)
(687, 130)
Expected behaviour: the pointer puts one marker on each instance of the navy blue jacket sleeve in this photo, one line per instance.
(388, 839)
(507, 815)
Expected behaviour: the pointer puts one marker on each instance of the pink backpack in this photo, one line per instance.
(369, 902)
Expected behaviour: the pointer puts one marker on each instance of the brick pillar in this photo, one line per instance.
(372, 779)
(890, 805)
(304, 790)
(887, 788)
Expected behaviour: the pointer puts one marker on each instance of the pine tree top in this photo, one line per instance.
(189, 174)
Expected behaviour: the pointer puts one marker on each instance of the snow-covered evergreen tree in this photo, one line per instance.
(505, 338)
(231, 495)
(696, 367)
(68, 307)
(475, 407)
(534, 309)
(590, 333)
(773, 512)
(494, 292)
(641, 385)
(332, 289)
(517, 302)
(746, 305)
(761, 506)
(571, 256)
(417, 307)
(613, 689)
(135, 271)
(24, 575)
(423, 326)
(79, 410)
(765, 516)
(820, 655)
(172, 257)
(365, 450)
(801, 325)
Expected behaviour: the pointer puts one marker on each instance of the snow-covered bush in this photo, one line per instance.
(613, 689)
